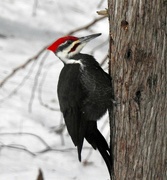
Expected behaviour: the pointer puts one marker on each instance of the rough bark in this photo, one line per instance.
(138, 66)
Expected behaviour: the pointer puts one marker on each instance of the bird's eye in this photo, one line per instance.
(68, 42)
(65, 44)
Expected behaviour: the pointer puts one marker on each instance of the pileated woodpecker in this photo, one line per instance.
(84, 93)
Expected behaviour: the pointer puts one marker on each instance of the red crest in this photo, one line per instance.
(53, 47)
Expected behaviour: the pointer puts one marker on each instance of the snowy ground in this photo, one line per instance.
(22, 35)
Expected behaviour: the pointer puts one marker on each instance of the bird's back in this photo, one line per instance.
(97, 85)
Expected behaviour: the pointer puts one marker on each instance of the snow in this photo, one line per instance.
(22, 35)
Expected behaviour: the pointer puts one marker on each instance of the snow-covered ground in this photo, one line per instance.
(23, 32)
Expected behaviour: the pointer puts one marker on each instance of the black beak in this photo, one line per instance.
(88, 38)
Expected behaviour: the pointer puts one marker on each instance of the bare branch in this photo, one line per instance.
(22, 66)
(100, 3)
(40, 92)
(104, 60)
(59, 130)
(23, 148)
(2, 146)
(59, 150)
(36, 81)
(25, 78)
(17, 148)
(35, 5)
(49, 107)
(99, 46)
(86, 26)
(29, 134)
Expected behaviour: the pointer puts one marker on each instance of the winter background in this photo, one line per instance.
(31, 135)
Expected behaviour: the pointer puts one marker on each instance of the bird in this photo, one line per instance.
(84, 93)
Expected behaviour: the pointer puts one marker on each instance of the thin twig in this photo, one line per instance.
(87, 26)
(36, 81)
(35, 5)
(98, 46)
(2, 146)
(29, 134)
(23, 148)
(40, 91)
(25, 78)
(104, 60)
(60, 129)
(17, 148)
(60, 150)
(100, 3)
(22, 66)
(62, 137)
(105, 123)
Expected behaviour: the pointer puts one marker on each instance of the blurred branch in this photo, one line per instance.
(20, 147)
(59, 130)
(29, 134)
(100, 3)
(40, 92)
(45, 150)
(2, 146)
(35, 5)
(60, 150)
(21, 83)
(87, 26)
(99, 46)
(22, 66)
(104, 60)
(36, 81)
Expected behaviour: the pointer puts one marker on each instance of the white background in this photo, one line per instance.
(22, 35)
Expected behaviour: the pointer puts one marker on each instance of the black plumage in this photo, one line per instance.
(84, 92)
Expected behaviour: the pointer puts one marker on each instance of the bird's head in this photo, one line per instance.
(68, 46)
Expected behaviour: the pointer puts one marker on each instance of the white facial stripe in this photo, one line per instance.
(66, 55)
(77, 50)
(68, 49)
(62, 56)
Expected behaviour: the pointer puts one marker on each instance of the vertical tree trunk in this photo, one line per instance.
(138, 66)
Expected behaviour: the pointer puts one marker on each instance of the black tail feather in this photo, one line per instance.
(96, 139)
(104, 150)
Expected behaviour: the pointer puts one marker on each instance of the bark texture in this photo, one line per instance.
(138, 66)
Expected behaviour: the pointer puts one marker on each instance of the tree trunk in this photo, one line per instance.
(138, 66)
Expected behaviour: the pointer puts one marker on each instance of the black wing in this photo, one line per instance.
(71, 95)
